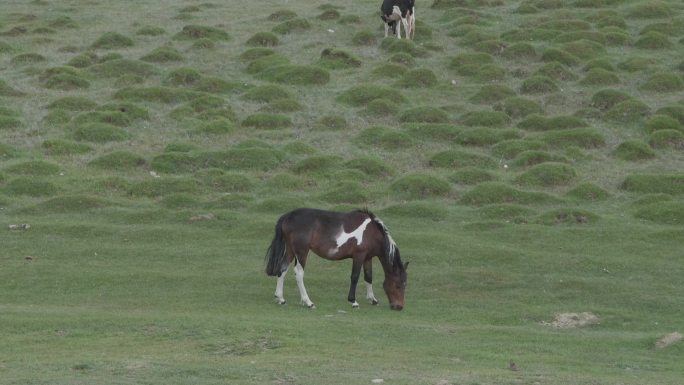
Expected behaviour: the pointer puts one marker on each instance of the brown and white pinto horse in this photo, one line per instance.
(358, 235)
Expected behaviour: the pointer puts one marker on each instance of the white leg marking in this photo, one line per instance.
(357, 234)
(370, 296)
(299, 275)
(355, 305)
(279, 288)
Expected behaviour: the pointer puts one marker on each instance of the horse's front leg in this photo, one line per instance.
(280, 299)
(299, 275)
(368, 277)
(356, 272)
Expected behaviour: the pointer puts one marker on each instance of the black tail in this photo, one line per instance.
(276, 256)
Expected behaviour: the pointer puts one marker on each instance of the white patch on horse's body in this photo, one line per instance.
(343, 236)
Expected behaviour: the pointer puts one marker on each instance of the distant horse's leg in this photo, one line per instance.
(368, 277)
(279, 288)
(356, 272)
(299, 275)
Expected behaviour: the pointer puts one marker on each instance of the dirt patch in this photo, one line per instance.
(667, 340)
(573, 320)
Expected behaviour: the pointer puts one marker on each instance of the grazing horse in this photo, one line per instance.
(358, 235)
(395, 10)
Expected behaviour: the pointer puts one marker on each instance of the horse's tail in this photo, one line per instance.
(276, 256)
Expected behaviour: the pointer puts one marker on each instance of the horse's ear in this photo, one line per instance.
(406, 266)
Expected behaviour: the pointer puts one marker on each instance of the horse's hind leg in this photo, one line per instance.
(300, 254)
(280, 299)
(356, 272)
(368, 277)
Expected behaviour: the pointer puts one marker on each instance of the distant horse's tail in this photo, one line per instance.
(276, 256)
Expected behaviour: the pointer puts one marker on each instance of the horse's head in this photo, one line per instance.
(395, 286)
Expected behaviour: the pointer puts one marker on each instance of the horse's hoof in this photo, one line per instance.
(355, 305)
(312, 306)
(374, 302)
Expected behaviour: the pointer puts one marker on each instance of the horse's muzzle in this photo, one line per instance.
(396, 307)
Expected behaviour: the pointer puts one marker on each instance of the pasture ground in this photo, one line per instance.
(526, 156)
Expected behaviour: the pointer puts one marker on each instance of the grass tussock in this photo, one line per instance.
(498, 193)
(634, 150)
(364, 93)
(420, 186)
(119, 161)
(654, 183)
(112, 40)
(195, 32)
(548, 174)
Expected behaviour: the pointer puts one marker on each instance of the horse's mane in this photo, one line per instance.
(391, 249)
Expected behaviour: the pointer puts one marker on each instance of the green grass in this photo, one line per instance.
(527, 157)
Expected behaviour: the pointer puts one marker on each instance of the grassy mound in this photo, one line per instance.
(548, 174)
(492, 93)
(424, 114)
(282, 15)
(8, 122)
(415, 210)
(588, 192)
(122, 67)
(567, 217)
(634, 150)
(264, 62)
(538, 85)
(112, 40)
(364, 38)
(266, 93)
(668, 212)
(459, 159)
(519, 51)
(331, 123)
(654, 41)
(263, 39)
(73, 103)
(654, 183)
(33, 167)
(292, 26)
(336, 59)
(471, 176)
(666, 139)
(150, 30)
(556, 71)
(508, 212)
(420, 77)
(295, 74)
(99, 133)
(69, 204)
(381, 108)
(420, 186)
(7, 90)
(57, 147)
(498, 193)
(389, 70)
(364, 93)
(195, 32)
(29, 186)
(346, 192)
(537, 122)
(586, 137)
(650, 10)
(166, 95)
(159, 187)
(317, 165)
(373, 167)
(119, 161)
(484, 119)
(282, 105)
(560, 56)
(28, 58)
(163, 55)
(517, 107)
(267, 121)
(509, 149)
(468, 64)
(599, 77)
(608, 98)
(533, 157)
(230, 182)
(383, 137)
(630, 111)
(216, 127)
(663, 82)
(403, 46)
(662, 122)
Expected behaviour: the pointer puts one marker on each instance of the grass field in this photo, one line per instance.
(526, 155)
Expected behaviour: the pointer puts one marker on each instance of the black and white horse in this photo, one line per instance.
(359, 235)
(395, 10)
